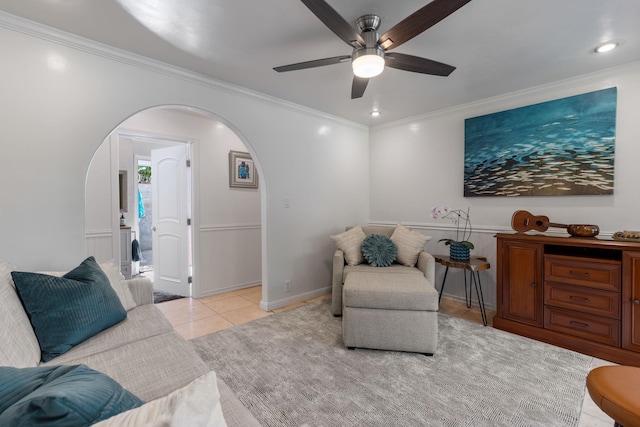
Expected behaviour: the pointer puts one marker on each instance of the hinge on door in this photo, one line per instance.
(190, 279)
(188, 221)
(188, 163)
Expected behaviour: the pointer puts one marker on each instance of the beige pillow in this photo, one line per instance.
(409, 243)
(195, 405)
(119, 285)
(350, 242)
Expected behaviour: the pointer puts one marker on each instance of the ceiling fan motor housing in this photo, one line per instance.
(368, 61)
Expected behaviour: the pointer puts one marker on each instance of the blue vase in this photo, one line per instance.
(459, 252)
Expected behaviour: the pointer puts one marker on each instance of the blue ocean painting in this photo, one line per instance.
(560, 147)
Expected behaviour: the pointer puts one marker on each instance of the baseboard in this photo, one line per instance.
(273, 305)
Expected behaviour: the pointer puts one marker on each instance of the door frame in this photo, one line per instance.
(164, 140)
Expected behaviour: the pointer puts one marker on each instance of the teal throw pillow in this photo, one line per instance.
(60, 396)
(64, 311)
(379, 250)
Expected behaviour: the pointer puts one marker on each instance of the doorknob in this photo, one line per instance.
(153, 228)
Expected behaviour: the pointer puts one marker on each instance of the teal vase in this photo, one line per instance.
(459, 252)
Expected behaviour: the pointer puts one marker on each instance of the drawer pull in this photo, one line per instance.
(533, 284)
(636, 302)
(579, 299)
(579, 324)
(579, 273)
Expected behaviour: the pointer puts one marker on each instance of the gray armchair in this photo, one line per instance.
(425, 266)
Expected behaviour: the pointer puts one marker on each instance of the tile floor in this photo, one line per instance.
(196, 317)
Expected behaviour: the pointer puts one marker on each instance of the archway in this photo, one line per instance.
(228, 237)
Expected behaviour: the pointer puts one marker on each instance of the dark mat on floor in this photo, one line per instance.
(160, 296)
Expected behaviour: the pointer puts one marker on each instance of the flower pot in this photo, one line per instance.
(459, 252)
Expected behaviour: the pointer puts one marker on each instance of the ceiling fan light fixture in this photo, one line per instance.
(368, 62)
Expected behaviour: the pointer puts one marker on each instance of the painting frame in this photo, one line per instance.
(561, 147)
(242, 170)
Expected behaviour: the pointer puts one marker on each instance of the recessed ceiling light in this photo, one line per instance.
(375, 113)
(606, 47)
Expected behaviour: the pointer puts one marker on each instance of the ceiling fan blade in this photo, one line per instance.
(313, 64)
(358, 87)
(334, 21)
(419, 21)
(416, 64)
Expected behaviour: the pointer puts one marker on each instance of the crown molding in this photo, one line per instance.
(92, 47)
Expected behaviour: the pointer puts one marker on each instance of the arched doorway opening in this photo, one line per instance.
(226, 235)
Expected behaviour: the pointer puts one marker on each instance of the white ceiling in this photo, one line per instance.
(498, 46)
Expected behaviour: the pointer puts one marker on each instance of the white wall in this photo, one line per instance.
(418, 163)
(62, 96)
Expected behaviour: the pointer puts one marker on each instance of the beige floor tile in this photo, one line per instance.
(452, 307)
(251, 290)
(316, 299)
(245, 314)
(289, 307)
(474, 315)
(178, 304)
(254, 297)
(229, 304)
(202, 327)
(180, 317)
(587, 420)
(217, 297)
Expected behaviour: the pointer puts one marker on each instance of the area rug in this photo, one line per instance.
(160, 296)
(291, 369)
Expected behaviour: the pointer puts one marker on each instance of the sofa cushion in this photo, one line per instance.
(379, 250)
(350, 242)
(196, 404)
(393, 268)
(60, 395)
(64, 311)
(142, 322)
(389, 292)
(409, 243)
(19, 346)
(149, 368)
(119, 284)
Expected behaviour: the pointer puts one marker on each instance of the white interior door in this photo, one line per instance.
(169, 192)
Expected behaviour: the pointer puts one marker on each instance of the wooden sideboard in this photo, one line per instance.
(578, 293)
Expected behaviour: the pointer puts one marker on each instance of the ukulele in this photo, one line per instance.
(523, 221)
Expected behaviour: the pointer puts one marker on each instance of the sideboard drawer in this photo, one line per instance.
(594, 273)
(586, 300)
(594, 328)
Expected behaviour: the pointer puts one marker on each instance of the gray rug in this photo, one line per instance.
(291, 369)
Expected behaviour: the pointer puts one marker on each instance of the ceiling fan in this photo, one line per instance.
(370, 52)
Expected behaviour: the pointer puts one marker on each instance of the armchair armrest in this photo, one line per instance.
(427, 264)
(142, 290)
(336, 282)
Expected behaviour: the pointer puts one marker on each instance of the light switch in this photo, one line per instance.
(287, 202)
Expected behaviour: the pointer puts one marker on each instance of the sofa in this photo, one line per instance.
(142, 353)
(410, 245)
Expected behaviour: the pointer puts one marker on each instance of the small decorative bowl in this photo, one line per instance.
(583, 230)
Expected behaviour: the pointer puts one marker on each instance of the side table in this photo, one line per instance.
(474, 266)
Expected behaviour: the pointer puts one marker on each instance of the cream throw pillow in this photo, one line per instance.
(409, 243)
(119, 285)
(195, 405)
(350, 242)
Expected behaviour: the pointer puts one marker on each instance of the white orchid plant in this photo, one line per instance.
(461, 219)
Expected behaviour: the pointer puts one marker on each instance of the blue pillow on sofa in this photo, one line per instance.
(379, 250)
(64, 311)
(60, 396)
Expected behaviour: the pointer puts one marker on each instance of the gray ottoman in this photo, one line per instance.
(391, 311)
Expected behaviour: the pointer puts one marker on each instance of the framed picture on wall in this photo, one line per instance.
(242, 170)
(561, 147)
